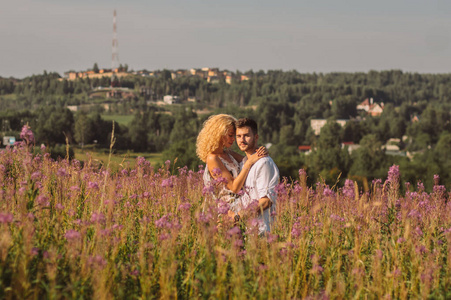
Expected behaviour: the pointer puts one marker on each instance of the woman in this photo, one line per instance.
(212, 147)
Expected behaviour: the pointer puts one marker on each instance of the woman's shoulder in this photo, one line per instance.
(212, 158)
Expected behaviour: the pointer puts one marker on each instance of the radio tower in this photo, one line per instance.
(115, 55)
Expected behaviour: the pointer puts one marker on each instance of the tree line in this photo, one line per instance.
(416, 111)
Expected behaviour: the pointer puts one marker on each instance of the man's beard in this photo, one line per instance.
(248, 146)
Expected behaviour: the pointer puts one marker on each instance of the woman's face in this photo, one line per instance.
(229, 138)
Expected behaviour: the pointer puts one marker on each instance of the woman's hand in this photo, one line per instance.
(261, 152)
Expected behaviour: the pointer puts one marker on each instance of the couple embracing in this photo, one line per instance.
(246, 179)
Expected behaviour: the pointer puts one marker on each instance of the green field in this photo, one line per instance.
(125, 159)
(120, 119)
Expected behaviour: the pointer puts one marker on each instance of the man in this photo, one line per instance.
(263, 175)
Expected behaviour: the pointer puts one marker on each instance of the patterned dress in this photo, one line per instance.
(225, 194)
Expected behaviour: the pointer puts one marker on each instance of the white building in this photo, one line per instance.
(317, 124)
(169, 99)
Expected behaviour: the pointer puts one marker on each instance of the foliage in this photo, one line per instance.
(72, 230)
(416, 111)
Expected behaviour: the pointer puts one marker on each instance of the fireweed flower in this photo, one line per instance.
(420, 186)
(302, 173)
(296, 230)
(393, 174)
(36, 175)
(439, 189)
(61, 172)
(272, 238)
(223, 207)
(167, 183)
(97, 218)
(72, 235)
(27, 135)
(328, 192)
(436, 179)
(97, 261)
(185, 206)
(6, 218)
(205, 217)
(34, 251)
(348, 189)
(418, 231)
(42, 200)
(140, 161)
(208, 189)
(93, 185)
(74, 188)
(163, 222)
(234, 231)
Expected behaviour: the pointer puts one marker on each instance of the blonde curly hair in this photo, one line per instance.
(210, 137)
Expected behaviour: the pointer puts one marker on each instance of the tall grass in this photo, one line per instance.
(73, 231)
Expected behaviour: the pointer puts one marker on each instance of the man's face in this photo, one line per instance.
(246, 139)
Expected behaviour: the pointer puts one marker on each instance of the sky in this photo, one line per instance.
(307, 36)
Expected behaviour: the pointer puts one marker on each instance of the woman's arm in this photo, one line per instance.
(233, 184)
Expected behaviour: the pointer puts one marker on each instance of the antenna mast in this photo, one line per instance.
(115, 56)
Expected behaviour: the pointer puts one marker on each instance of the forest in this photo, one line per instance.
(415, 118)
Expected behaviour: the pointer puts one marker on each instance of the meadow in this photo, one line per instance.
(82, 230)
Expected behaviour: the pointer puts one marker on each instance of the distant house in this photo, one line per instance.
(73, 108)
(169, 99)
(9, 140)
(305, 149)
(373, 109)
(244, 78)
(350, 146)
(213, 79)
(91, 74)
(317, 124)
(120, 93)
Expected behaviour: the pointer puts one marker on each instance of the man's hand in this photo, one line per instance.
(263, 204)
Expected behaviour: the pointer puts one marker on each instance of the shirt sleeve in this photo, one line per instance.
(266, 180)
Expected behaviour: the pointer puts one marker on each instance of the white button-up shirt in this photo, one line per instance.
(261, 182)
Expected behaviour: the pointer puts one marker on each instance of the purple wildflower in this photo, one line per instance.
(163, 222)
(185, 206)
(436, 179)
(419, 231)
(27, 135)
(72, 235)
(348, 189)
(234, 231)
(36, 175)
(34, 251)
(61, 172)
(328, 192)
(272, 238)
(205, 217)
(393, 174)
(42, 200)
(97, 261)
(223, 207)
(6, 218)
(93, 185)
(208, 189)
(97, 217)
(167, 183)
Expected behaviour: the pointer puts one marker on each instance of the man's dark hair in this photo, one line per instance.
(246, 122)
